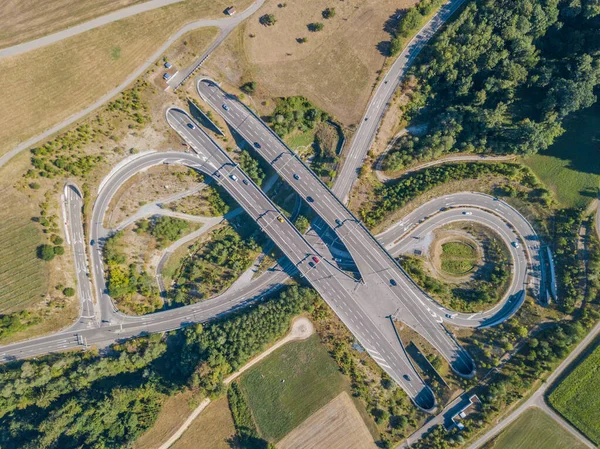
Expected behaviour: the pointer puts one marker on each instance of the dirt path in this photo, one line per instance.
(302, 328)
(381, 176)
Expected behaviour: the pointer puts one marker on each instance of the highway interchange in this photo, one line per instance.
(368, 308)
(116, 325)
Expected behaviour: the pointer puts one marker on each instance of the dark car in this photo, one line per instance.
(407, 377)
(191, 126)
(92, 242)
(393, 282)
(310, 199)
(256, 145)
(245, 181)
(296, 177)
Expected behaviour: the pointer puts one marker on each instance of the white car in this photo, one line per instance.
(235, 178)
(515, 244)
(467, 213)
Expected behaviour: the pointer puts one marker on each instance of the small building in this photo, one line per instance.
(230, 11)
(462, 413)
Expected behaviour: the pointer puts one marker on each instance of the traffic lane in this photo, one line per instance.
(519, 272)
(272, 147)
(332, 286)
(74, 208)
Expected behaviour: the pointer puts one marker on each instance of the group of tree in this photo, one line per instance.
(48, 252)
(215, 264)
(252, 167)
(164, 229)
(570, 271)
(15, 322)
(500, 78)
(295, 114)
(124, 280)
(83, 399)
(410, 22)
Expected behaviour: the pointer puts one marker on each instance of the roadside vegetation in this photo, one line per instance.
(109, 400)
(574, 399)
(305, 128)
(485, 287)
(501, 80)
(410, 22)
(213, 264)
(394, 195)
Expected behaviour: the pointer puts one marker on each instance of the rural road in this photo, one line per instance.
(83, 27)
(537, 399)
(226, 25)
(367, 129)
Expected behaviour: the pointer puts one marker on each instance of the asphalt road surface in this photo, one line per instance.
(391, 291)
(355, 156)
(370, 322)
(73, 207)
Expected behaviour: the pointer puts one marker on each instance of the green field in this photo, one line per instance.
(534, 429)
(312, 379)
(571, 167)
(577, 397)
(458, 258)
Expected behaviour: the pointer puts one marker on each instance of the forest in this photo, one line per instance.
(83, 399)
(501, 78)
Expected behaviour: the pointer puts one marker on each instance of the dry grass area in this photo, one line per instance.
(155, 184)
(189, 47)
(338, 425)
(336, 68)
(27, 282)
(213, 429)
(172, 414)
(25, 20)
(57, 81)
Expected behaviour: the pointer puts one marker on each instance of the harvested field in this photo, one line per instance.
(25, 20)
(338, 425)
(61, 79)
(213, 429)
(336, 68)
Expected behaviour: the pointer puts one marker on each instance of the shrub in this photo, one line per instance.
(34, 185)
(69, 291)
(267, 20)
(315, 26)
(59, 250)
(56, 239)
(328, 13)
(302, 40)
(45, 252)
(249, 87)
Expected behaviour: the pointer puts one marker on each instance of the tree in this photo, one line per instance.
(302, 224)
(315, 26)
(328, 13)
(249, 87)
(59, 250)
(267, 20)
(69, 291)
(45, 252)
